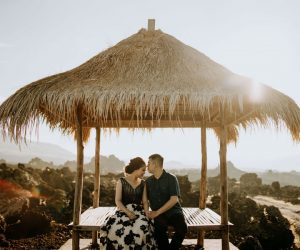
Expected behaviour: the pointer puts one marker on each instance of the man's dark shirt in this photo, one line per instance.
(160, 190)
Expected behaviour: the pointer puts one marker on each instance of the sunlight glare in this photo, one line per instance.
(256, 92)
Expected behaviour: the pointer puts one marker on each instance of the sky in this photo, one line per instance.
(257, 39)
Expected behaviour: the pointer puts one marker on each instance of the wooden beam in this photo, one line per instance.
(203, 181)
(151, 124)
(214, 117)
(206, 227)
(182, 118)
(96, 181)
(79, 179)
(223, 183)
(240, 118)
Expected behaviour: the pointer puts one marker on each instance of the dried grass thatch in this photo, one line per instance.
(145, 81)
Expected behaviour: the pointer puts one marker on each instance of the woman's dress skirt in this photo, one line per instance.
(119, 232)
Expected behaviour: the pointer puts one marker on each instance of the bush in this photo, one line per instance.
(250, 243)
(264, 223)
(2, 224)
(36, 223)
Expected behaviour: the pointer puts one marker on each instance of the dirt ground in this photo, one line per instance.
(54, 240)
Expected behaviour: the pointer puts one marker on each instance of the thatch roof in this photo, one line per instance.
(145, 81)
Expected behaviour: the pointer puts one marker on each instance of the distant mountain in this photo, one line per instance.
(284, 178)
(41, 155)
(288, 162)
(194, 173)
(177, 165)
(23, 153)
(232, 171)
(110, 164)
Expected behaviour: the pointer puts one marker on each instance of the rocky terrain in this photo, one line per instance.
(54, 239)
(288, 210)
(36, 204)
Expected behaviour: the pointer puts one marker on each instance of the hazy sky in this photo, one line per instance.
(258, 39)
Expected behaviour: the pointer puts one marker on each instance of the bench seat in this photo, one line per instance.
(93, 218)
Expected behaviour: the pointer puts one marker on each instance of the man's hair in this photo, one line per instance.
(157, 158)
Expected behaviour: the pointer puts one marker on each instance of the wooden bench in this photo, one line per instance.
(93, 218)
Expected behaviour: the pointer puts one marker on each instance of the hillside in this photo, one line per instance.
(291, 178)
(232, 171)
(194, 173)
(23, 153)
(109, 164)
(42, 155)
(284, 178)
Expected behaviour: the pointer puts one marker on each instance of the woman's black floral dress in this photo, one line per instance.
(119, 232)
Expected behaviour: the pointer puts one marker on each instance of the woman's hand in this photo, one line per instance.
(131, 215)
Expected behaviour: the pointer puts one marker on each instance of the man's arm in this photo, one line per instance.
(169, 204)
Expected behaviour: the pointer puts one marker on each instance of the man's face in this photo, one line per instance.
(151, 166)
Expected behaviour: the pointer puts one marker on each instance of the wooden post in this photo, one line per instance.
(96, 181)
(151, 24)
(79, 179)
(223, 183)
(203, 182)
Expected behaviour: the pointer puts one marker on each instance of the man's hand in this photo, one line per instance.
(152, 214)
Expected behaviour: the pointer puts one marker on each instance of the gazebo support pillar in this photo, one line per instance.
(79, 179)
(96, 181)
(203, 181)
(223, 183)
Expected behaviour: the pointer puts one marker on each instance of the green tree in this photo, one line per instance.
(250, 183)
(276, 188)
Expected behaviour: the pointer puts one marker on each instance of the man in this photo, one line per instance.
(163, 193)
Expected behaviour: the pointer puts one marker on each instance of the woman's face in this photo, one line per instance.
(141, 171)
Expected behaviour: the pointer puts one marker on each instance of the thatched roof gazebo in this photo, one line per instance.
(149, 80)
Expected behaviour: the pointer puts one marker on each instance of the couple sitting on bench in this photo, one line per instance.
(133, 226)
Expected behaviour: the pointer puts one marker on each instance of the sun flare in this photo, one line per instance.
(256, 92)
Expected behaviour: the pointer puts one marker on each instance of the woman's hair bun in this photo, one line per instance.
(134, 164)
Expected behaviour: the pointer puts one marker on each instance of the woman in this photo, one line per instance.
(129, 228)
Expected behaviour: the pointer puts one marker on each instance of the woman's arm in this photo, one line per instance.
(145, 200)
(119, 203)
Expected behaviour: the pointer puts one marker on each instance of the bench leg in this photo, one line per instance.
(200, 239)
(75, 240)
(225, 238)
(94, 239)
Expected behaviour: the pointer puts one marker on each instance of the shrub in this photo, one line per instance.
(2, 224)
